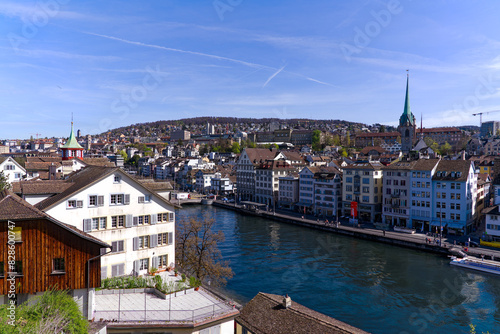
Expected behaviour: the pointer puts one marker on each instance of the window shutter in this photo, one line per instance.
(128, 221)
(100, 200)
(154, 262)
(104, 272)
(103, 251)
(171, 216)
(126, 199)
(79, 204)
(120, 245)
(114, 270)
(121, 269)
(136, 267)
(87, 225)
(154, 218)
(114, 246)
(153, 240)
(170, 237)
(141, 199)
(135, 221)
(135, 243)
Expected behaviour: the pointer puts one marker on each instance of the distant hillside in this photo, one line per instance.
(223, 124)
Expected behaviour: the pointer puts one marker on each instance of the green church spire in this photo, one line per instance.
(407, 118)
(72, 142)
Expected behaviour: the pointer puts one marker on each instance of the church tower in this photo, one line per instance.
(407, 124)
(72, 149)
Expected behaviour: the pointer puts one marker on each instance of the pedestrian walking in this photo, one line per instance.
(384, 232)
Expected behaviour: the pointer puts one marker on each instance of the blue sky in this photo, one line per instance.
(115, 63)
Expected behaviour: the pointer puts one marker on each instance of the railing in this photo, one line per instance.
(164, 315)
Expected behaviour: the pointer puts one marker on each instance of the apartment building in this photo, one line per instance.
(112, 206)
(362, 183)
(267, 180)
(454, 185)
(249, 160)
(396, 194)
(421, 194)
(288, 193)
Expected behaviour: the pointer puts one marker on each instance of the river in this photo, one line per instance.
(376, 287)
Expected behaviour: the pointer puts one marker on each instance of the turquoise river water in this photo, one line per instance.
(378, 288)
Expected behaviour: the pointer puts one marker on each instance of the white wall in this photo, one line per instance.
(106, 187)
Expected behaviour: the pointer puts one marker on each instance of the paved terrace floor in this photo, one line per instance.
(187, 306)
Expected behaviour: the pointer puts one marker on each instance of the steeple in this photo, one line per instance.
(407, 118)
(72, 149)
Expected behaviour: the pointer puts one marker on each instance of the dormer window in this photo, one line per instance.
(117, 179)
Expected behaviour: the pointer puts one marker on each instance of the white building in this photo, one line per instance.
(203, 180)
(221, 185)
(249, 160)
(327, 191)
(421, 194)
(112, 206)
(12, 170)
(454, 186)
(266, 180)
(306, 190)
(396, 198)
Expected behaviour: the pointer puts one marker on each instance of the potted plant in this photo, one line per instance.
(175, 272)
(183, 276)
(197, 285)
(153, 271)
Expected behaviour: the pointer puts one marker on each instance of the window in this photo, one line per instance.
(73, 204)
(117, 179)
(143, 264)
(458, 206)
(8, 167)
(116, 199)
(458, 185)
(366, 189)
(458, 196)
(93, 200)
(18, 268)
(95, 223)
(102, 222)
(457, 216)
(366, 181)
(366, 199)
(118, 270)
(143, 241)
(162, 261)
(117, 221)
(17, 234)
(165, 238)
(58, 266)
(117, 246)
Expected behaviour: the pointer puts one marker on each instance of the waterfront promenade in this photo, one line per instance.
(417, 241)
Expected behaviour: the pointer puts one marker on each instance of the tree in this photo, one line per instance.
(235, 148)
(316, 140)
(123, 154)
(4, 182)
(197, 252)
(382, 129)
(53, 312)
(445, 149)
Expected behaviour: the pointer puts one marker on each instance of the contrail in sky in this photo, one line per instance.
(272, 76)
(241, 62)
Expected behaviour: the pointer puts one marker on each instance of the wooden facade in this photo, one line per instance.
(43, 240)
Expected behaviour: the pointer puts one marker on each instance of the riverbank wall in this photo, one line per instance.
(417, 242)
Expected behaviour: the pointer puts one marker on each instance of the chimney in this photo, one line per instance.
(287, 301)
(463, 155)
